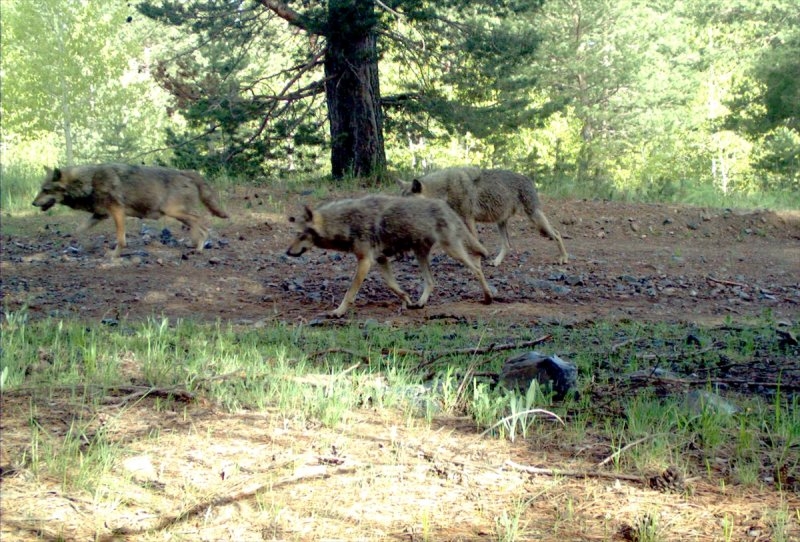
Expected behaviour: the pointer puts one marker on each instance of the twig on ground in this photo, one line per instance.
(575, 473)
(705, 381)
(138, 392)
(709, 278)
(627, 447)
(247, 492)
(474, 350)
(523, 413)
(327, 351)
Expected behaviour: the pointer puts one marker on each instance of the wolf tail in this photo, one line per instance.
(207, 196)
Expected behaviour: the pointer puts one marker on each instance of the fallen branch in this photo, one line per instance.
(520, 414)
(704, 381)
(576, 473)
(709, 278)
(627, 447)
(139, 392)
(470, 350)
(475, 350)
(248, 491)
(327, 351)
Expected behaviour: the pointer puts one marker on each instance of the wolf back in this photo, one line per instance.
(487, 195)
(119, 190)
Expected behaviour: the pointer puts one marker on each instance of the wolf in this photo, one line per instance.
(486, 195)
(119, 190)
(377, 227)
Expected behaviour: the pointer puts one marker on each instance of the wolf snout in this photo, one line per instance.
(44, 203)
(290, 252)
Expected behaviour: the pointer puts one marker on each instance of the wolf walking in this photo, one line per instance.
(487, 195)
(119, 190)
(374, 228)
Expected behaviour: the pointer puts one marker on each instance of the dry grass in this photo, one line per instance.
(197, 473)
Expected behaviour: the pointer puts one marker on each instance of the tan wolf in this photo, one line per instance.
(374, 228)
(487, 195)
(118, 190)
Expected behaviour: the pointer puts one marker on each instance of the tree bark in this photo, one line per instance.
(352, 90)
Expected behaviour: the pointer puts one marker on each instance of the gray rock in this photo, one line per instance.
(551, 372)
(702, 400)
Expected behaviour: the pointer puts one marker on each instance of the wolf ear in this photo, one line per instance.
(309, 214)
(52, 174)
(416, 186)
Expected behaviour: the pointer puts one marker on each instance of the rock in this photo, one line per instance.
(702, 400)
(549, 371)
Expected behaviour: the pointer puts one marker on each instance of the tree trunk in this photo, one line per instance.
(64, 93)
(352, 90)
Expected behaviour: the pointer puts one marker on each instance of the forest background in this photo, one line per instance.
(691, 101)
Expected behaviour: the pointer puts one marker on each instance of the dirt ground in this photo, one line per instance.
(215, 475)
(627, 261)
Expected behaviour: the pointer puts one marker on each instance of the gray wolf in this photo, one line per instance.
(374, 228)
(119, 190)
(486, 195)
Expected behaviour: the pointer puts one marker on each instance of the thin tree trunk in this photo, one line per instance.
(66, 112)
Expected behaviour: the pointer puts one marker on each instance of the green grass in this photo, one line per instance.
(19, 184)
(20, 180)
(321, 374)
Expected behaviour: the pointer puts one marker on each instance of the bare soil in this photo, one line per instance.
(627, 261)
(195, 472)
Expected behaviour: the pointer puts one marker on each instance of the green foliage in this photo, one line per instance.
(765, 107)
(80, 73)
(250, 96)
(592, 98)
(19, 184)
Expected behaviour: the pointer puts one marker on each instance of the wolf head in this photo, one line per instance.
(413, 188)
(437, 184)
(63, 187)
(305, 238)
(52, 191)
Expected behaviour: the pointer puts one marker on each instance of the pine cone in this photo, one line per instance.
(669, 480)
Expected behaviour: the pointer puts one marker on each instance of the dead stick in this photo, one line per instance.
(709, 278)
(627, 447)
(469, 350)
(474, 350)
(575, 473)
(351, 353)
(696, 382)
(245, 493)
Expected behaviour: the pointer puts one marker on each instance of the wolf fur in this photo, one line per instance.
(486, 195)
(374, 228)
(118, 190)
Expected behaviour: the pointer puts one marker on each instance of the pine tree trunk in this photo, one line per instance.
(352, 90)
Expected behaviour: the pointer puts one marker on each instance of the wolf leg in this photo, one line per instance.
(388, 277)
(544, 226)
(427, 277)
(117, 212)
(90, 223)
(197, 231)
(364, 264)
(505, 244)
(458, 252)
